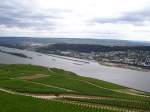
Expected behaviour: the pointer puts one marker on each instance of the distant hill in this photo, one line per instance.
(105, 42)
(87, 48)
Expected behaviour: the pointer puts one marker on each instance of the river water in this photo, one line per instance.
(126, 77)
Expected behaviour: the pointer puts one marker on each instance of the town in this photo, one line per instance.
(136, 58)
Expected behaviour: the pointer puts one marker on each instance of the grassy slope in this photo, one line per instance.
(24, 86)
(114, 102)
(61, 79)
(15, 103)
(58, 78)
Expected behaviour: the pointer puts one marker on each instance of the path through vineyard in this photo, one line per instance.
(57, 98)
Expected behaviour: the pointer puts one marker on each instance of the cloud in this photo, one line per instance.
(117, 19)
(16, 15)
(135, 18)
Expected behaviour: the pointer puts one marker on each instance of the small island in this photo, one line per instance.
(16, 54)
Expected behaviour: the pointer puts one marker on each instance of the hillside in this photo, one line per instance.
(28, 88)
(86, 48)
(25, 41)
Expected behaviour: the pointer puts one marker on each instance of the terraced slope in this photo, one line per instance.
(53, 88)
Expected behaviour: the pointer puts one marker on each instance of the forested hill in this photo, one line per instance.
(106, 42)
(90, 48)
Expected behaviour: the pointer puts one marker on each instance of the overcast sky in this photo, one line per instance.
(113, 19)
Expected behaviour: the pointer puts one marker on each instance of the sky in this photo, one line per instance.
(101, 19)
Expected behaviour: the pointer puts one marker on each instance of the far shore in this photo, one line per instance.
(125, 66)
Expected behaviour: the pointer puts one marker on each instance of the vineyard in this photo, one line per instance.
(28, 88)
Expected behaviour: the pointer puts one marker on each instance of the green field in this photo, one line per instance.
(28, 88)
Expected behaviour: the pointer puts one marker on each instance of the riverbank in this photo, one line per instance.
(126, 77)
(125, 66)
(69, 58)
(110, 64)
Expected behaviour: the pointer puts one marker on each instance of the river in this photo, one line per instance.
(131, 78)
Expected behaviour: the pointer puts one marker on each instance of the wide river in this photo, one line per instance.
(130, 78)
